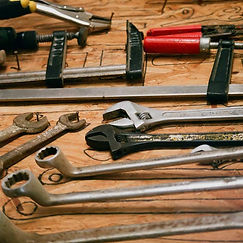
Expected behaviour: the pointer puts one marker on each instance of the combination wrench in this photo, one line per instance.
(67, 122)
(22, 124)
(142, 118)
(120, 142)
(10, 233)
(32, 188)
(53, 157)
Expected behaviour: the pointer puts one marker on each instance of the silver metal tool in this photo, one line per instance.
(53, 157)
(111, 93)
(32, 188)
(23, 124)
(67, 122)
(142, 118)
(9, 233)
(75, 15)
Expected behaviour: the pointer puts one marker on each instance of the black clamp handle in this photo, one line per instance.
(219, 81)
(56, 60)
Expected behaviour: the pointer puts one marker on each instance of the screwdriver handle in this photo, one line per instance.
(174, 30)
(15, 8)
(172, 45)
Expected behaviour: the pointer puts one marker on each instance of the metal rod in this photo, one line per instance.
(101, 93)
(38, 77)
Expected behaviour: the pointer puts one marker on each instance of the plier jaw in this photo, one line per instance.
(75, 15)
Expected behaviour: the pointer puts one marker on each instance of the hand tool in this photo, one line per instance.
(9, 233)
(198, 30)
(76, 15)
(33, 189)
(2, 57)
(181, 45)
(120, 142)
(131, 71)
(57, 95)
(142, 118)
(53, 157)
(191, 39)
(29, 40)
(23, 124)
(66, 123)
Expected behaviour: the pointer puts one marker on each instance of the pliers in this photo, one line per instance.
(77, 15)
(190, 39)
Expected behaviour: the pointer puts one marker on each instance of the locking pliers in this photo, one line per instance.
(77, 15)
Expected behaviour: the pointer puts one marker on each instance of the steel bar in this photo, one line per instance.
(101, 93)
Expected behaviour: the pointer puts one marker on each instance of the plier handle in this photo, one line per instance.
(212, 31)
(190, 39)
(77, 15)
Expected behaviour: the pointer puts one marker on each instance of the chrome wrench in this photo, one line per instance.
(53, 157)
(67, 122)
(23, 124)
(9, 233)
(142, 118)
(32, 188)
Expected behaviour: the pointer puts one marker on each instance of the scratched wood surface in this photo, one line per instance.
(108, 48)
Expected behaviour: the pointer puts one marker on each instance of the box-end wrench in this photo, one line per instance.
(33, 189)
(23, 124)
(9, 233)
(120, 142)
(142, 118)
(53, 157)
(68, 122)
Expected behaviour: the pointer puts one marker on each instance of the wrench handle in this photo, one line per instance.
(217, 114)
(10, 132)
(24, 150)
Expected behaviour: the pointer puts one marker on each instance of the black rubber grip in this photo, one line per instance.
(12, 9)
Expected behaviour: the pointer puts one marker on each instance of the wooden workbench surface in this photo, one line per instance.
(108, 48)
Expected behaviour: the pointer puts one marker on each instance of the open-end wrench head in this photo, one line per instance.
(72, 121)
(24, 121)
(31, 187)
(129, 112)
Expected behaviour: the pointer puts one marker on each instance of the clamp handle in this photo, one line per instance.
(219, 81)
(12, 8)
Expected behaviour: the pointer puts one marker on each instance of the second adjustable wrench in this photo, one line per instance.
(23, 124)
(67, 122)
(142, 118)
(120, 142)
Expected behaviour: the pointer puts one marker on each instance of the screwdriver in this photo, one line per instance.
(191, 39)
(28, 40)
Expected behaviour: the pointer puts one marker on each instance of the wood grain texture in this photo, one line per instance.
(161, 70)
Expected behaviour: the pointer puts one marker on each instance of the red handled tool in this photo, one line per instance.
(191, 39)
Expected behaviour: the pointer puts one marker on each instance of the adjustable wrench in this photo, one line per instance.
(33, 189)
(67, 122)
(23, 124)
(142, 118)
(53, 157)
(9, 233)
(120, 142)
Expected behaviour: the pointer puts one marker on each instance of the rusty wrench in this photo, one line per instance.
(120, 142)
(67, 122)
(9, 233)
(32, 188)
(142, 118)
(23, 124)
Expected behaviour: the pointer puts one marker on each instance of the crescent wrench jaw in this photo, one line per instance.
(128, 112)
